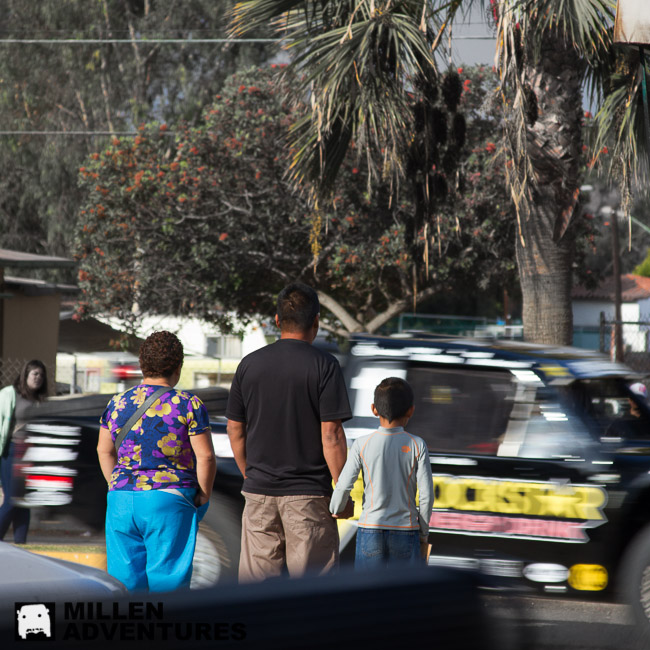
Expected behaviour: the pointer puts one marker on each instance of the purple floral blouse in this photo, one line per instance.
(157, 453)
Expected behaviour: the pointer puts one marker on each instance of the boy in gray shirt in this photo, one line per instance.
(395, 464)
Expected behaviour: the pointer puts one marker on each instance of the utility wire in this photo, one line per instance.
(166, 41)
(131, 41)
(82, 133)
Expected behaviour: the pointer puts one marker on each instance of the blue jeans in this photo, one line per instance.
(9, 513)
(377, 548)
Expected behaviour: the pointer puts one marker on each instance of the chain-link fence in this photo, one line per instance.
(634, 342)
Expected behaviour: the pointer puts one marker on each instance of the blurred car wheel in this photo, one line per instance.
(216, 558)
(635, 579)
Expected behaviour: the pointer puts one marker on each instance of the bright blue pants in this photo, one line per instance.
(150, 538)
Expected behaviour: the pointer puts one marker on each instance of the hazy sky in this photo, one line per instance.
(472, 42)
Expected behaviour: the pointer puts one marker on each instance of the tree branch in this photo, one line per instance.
(349, 323)
(339, 331)
(397, 308)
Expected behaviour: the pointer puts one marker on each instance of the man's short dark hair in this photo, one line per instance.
(298, 306)
(393, 398)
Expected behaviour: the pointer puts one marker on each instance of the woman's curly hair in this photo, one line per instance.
(160, 354)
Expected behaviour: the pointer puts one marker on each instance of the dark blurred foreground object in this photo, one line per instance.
(431, 607)
(26, 576)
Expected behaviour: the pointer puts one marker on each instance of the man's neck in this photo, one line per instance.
(307, 336)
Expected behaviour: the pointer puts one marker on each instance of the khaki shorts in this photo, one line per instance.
(293, 531)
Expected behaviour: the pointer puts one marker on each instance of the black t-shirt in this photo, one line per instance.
(283, 392)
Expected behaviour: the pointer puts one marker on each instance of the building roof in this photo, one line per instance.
(89, 335)
(32, 286)
(633, 289)
(17, 259)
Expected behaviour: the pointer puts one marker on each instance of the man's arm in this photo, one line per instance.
(206, 465)
(237, 436)
(335, 448)
(341, 506)
(106, 453)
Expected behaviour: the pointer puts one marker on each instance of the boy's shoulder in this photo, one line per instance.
(417, 439)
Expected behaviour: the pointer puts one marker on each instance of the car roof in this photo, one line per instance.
(559, 364)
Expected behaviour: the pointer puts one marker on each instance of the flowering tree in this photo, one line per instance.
(206, 223)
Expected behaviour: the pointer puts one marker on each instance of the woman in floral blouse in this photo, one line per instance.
(161, 479)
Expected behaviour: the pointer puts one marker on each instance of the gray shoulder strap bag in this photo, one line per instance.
(138, 414)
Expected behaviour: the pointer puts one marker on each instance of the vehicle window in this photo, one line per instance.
(615, 411)
(461, 409)
(362, 389)
(545, 425)
(495, 412)
(486, 411)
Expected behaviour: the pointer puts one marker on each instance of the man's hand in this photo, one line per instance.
(347, 512)
(424, 550)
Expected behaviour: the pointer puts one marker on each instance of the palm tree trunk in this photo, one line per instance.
(545, 249)
(545, 277)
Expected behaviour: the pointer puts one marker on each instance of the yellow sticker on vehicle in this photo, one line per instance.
(524, 509)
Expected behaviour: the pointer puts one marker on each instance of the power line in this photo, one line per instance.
(83, 133)
(169, 41)
(131, 41)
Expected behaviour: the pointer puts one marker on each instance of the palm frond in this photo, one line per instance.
(620, 131)
(356, 60)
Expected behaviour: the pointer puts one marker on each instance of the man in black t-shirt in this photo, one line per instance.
(285, 412)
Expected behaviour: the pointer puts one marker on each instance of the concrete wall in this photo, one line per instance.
(31, 330)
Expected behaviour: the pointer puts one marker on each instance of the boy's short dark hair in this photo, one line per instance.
(298, 306)
(393, 398)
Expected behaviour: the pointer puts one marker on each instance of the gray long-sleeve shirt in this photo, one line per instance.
(395, 465)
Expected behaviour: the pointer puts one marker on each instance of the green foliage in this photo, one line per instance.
(367, 67)
(643, 268)
(207, 224)
(51, 91)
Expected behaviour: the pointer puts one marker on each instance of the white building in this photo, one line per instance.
(211, 357)
(588, 304)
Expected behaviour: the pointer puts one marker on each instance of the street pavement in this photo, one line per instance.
(65, 539)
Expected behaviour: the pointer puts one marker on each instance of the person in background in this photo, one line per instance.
(29, 389)
(285, 411)
(641, 391)
(395, 465)
(161, 478)
(631, 423)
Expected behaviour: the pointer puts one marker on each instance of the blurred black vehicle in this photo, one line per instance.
(540, 469)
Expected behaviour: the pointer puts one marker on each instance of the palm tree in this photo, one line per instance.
(361, 60)
(546, 50)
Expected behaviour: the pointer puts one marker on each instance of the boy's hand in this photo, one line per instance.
(347, 512)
